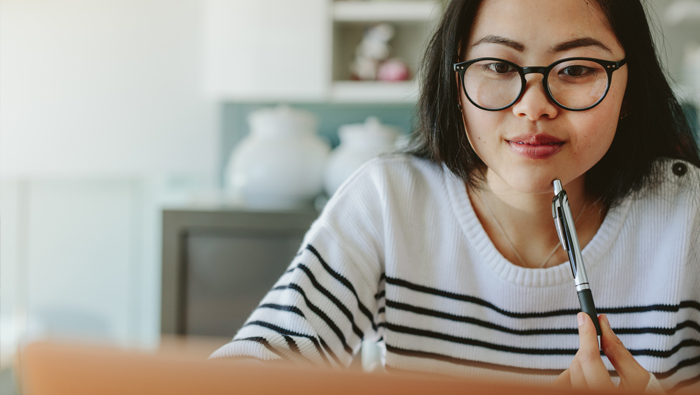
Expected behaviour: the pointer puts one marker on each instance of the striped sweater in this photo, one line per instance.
(399, 257)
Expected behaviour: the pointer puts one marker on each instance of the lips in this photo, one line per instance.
(535, 146)
(535, 139)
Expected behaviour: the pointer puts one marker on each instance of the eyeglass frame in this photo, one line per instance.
(608, 66)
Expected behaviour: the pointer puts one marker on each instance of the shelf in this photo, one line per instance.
(389, 11)
(374, 92)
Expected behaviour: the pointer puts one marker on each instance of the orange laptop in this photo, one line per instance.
(48, 368)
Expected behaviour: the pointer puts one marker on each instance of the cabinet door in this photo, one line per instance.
(228, 273)
(267, 49)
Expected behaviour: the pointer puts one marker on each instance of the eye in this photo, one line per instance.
(500, 67)
(575, 71)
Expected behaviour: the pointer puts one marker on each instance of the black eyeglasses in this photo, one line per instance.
(574, 84)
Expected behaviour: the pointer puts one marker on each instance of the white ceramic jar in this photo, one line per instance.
(280, 164)
(358, 144)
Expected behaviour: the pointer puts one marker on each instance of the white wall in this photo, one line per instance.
(101, 112)
(102, 87)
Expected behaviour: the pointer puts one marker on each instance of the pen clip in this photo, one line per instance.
(559, 224)
(563, 224)
(561, 230)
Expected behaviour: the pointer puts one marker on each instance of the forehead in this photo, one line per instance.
(542, 24)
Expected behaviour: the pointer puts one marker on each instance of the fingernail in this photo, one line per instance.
(607, 323)
(579, 318)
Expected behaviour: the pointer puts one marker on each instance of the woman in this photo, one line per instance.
(448, 257)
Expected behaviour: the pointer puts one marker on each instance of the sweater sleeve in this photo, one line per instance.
(324, 305)
(653, 386)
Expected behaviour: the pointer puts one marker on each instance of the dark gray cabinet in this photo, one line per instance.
(219, 263)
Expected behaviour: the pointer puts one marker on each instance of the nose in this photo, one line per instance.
(534, 103)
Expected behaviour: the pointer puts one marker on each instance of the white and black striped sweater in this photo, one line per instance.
(398, 256)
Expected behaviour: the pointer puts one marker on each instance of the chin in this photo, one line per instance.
(536, 188)
(532, 184)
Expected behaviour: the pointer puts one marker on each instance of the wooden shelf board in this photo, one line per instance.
(374, 92)
(363, 11)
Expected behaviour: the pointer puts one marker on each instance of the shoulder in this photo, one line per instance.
(669, 210)
(353, 225)
(383, 195)
(677, 180)
(401, 168)
(396, 174)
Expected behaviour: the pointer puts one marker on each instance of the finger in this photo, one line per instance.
(633, 376)
(563, 381)
(587, 336)
(588, 355)
(578, 379)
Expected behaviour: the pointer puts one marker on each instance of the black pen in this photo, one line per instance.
(564, 221)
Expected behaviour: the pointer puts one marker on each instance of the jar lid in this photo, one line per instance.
(281, 120)
(371, 128)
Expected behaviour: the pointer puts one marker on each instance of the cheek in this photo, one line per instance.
(482, 127)
(482, 132)
(594, 138)
(595, 130)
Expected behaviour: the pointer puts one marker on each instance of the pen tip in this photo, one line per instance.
(557, 186)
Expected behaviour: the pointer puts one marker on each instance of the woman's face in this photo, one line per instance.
(516, 143)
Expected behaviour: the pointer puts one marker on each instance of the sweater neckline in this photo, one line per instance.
(531, 277)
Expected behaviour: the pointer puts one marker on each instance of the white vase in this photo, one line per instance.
(358, 144)
(280, 164)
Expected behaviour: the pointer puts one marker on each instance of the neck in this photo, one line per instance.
(526, 220)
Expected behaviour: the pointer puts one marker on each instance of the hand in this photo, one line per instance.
(587, 370)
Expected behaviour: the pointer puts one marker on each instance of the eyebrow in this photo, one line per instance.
(565, 46)
(578, 43)
(491, 39)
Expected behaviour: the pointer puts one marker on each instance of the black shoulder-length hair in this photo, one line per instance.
(655, 126)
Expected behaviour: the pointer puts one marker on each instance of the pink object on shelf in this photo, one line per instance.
(393, 70)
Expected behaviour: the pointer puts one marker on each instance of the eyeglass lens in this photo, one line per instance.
(574, 84)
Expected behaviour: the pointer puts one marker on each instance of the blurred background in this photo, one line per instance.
(134, 181)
